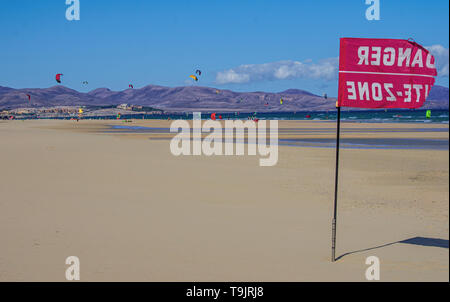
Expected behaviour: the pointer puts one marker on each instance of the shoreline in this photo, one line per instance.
(438, 116)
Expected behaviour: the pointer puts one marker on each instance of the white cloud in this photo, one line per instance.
(440, 54)
(231, 76)
(325, 69)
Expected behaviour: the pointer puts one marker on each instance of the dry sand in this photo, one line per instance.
(131, 211)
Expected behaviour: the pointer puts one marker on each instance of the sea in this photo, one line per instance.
(356, 116)
(361, 116)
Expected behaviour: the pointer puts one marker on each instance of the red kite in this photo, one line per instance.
(58, 77)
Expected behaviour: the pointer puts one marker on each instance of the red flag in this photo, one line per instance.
(384, 73)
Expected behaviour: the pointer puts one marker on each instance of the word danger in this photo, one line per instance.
(365, 91)
(389, 56)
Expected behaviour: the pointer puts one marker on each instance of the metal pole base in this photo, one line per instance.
(333, 240)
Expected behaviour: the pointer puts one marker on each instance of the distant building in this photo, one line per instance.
(24, 111)
(124, 107)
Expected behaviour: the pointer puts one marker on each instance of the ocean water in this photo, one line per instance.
(366, 116)
(361, 116)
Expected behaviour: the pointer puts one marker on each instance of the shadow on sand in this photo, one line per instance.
(423, 241)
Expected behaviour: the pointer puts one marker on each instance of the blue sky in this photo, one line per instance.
(161, 42)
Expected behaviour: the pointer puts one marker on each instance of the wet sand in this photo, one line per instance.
(309, 136)
(131, 211)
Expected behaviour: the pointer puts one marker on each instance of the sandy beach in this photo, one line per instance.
(132, 211)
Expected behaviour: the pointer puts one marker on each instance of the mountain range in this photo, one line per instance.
(187, 98)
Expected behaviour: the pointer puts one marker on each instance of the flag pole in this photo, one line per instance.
(333, 224)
